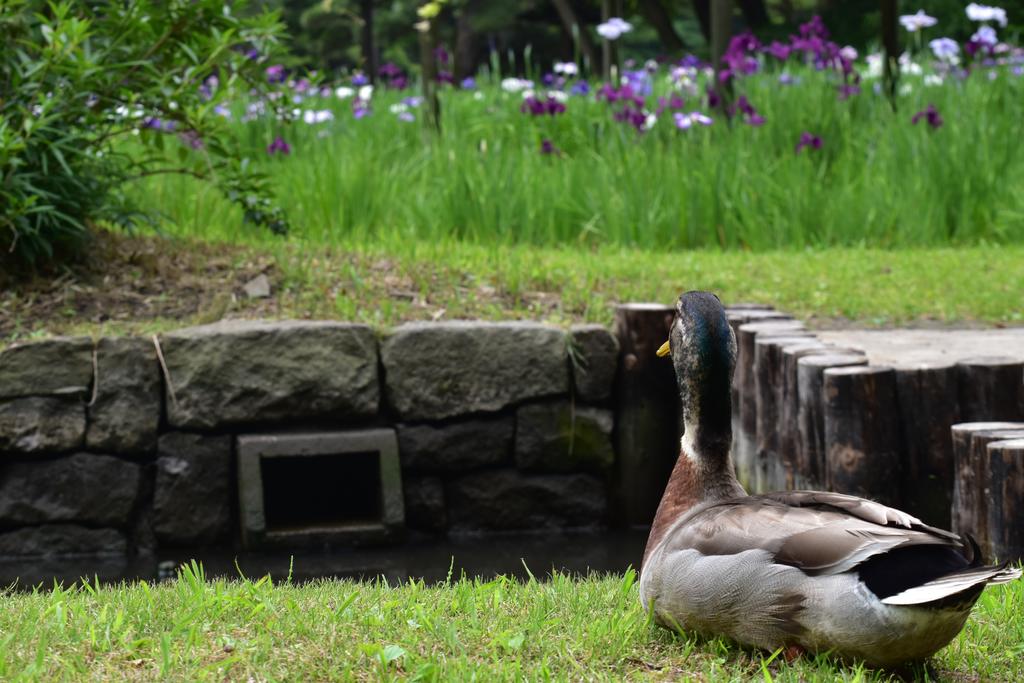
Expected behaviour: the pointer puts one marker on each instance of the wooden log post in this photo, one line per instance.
(788, 432)
(1005, 522)
(769, 470)
(965, 486)
(862, 432)
(647, 411)
(744, 449)
(991, 388)
(928, 407)
(811, 413)
(740, 316)
(789, 436)
(974, 501)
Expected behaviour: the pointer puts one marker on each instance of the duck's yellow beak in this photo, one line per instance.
(663, 350)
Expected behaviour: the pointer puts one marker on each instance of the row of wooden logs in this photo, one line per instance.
(944, 442)
(935, 440)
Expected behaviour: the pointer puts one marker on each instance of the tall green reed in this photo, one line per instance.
(877, 180)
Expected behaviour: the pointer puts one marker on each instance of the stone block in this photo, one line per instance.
(456, 446)
(42, 368)
(253, 372)
(125, 417)
(63, 540)
(595, 355)
(317, 488)
(424, 504)
(93, 490)
(555, 436)
(508, 500)
(193, 489)
(42, 424)
(439, 370)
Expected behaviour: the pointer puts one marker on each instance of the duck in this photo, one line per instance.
(800, 571)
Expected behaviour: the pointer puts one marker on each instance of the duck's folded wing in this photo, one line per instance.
(820, 533)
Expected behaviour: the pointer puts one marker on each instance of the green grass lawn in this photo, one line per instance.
(185, 282)
(565, 628)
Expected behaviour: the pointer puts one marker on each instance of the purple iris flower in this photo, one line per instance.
(674, 102)
(445, 77)
(537, 107)
(692, 61)
(626, 92)
(633, 116)
(360, 79)
(360, 108)
(814, 27)
(406, 116)
(750, 115)
(208, 86)
(279, 145)
(191, 138)
(848, 90)
(252, 54)
(779, 50)
(441, 55)
(639, 82)
(548, 80)
(808, 140)
(389, 70)
(468, 83)
(398, 83)
(579, 88)
(154, 123)
(929, 114)
(548, 147)
(713, 99)
(275, 73)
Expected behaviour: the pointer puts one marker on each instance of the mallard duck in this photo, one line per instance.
(802, 570)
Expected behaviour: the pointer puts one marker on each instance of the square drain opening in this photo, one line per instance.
(321, 491)
(315, 488)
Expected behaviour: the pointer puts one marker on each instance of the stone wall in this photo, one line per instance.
(132, 445)
(129, 445)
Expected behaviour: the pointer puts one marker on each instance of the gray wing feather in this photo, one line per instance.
(820, 533)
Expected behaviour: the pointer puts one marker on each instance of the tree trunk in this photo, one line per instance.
(755, 14)
(428, 72)
(466, 41)
(569, 20)
(647, 411)
(702, 9)
(891, 48)
(369, 54)
(721, 32)
(609, 50)
(658, 16)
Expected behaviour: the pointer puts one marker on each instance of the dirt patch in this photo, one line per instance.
(132, 280)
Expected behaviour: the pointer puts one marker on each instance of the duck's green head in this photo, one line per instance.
(703, 350)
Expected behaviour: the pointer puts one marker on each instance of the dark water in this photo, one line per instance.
(430, 560)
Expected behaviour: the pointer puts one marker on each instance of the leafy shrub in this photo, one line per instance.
(95, 94)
